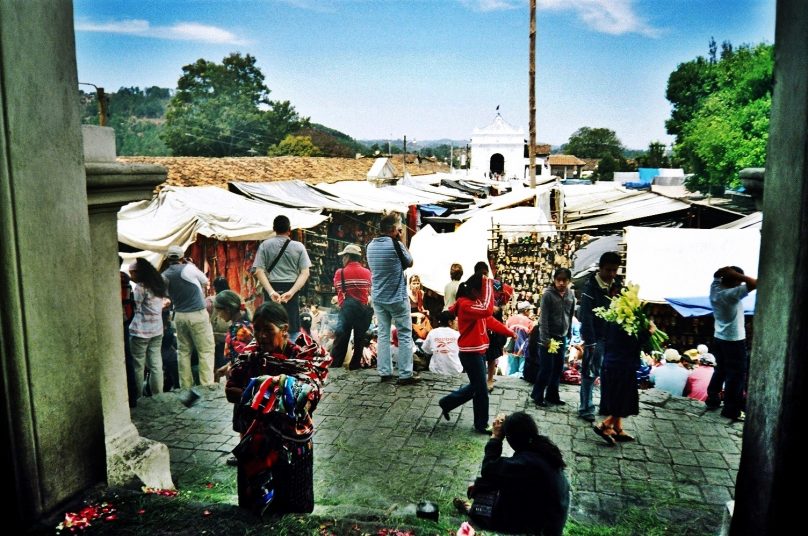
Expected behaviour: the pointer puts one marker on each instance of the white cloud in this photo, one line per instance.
(614, 17)
(492, 5)
(181, 31)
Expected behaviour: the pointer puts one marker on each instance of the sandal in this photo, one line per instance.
(461, 505)
(601, 431)
(622, 437)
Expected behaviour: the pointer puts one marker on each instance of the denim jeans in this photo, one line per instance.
(477, 389)
(398, 314)
(730, 373)
(353, 317)
(590, 370)
(550, 367)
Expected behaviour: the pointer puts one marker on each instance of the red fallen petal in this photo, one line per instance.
(141, 511)
(206, 513)
(111, 517)
(210, 485)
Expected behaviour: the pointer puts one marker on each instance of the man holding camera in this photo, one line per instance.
(387, 259)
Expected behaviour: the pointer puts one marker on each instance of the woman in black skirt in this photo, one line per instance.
(618, 381)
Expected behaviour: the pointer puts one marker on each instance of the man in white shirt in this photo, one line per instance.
(441, 342)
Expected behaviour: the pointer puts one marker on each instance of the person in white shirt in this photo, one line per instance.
(672, 376)
(441, 342)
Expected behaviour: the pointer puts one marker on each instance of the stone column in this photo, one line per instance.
(773, 462)
(110, 185)
(53, 446)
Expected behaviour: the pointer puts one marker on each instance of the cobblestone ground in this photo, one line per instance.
(381, 448)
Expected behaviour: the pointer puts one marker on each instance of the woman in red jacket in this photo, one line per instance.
(474, 307)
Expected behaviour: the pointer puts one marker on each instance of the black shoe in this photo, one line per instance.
(587, 417)
(486, 431)
(540, 403)
(232, 461)
(444, 413)
(408, 381)
(558, 402)
(189, 398)
(386, 379)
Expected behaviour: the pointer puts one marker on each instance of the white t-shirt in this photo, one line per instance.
(442, 344)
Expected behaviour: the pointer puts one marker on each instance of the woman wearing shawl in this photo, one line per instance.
(277, 387)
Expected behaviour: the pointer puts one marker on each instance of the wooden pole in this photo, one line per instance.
(102, 106)
(532, 95)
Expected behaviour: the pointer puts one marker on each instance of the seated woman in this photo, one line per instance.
(276, 387)
(533, 490)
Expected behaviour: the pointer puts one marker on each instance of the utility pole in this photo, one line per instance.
(532, 95)
(102, 103)
(404, 160)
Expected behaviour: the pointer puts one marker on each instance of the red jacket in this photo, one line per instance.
(357, 283)
(474, 318)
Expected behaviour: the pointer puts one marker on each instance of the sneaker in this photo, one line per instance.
(487, 430)
(386, 378)
(232, 461)
(408, 381)
(587, 417)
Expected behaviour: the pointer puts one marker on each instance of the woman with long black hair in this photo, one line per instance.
(474, 307)
(146, 329)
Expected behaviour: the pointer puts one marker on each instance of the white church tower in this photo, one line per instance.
(500, 148)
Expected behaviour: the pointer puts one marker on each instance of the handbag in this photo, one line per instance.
(484, 506)
(421, 325)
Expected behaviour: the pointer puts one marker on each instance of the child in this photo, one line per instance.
(441, 342)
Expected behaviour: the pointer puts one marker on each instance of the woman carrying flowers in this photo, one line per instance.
(628, 329)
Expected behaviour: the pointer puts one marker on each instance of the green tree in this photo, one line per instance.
(136, 115)
(587, 142)
(723, 130)
(223, 109)
(293, 145)
(655, 156)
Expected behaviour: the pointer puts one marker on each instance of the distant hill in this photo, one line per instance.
(332, 142)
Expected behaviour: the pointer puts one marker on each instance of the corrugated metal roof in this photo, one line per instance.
(609, 204)
(752, 221)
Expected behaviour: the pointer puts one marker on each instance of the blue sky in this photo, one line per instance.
(428, 68)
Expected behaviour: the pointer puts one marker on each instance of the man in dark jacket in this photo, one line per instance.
(597, 292)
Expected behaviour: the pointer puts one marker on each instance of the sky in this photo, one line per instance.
(428, 69)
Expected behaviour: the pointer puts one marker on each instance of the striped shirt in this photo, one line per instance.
(148, 319)
(389, 285)
(357, 283)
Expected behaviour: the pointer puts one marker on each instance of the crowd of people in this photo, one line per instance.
(275, 363)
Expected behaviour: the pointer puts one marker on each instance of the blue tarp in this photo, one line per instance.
(700, 306)
(432, 210)
(647, 174)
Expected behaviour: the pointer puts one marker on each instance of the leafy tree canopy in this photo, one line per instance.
(224, 109)
(587, 142)
(294, 146)
(720, 114)
(135, 114)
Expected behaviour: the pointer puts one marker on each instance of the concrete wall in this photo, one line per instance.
(52, 406)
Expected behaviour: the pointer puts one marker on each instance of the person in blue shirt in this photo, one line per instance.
(730, 285)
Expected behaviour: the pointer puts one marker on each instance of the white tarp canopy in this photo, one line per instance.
(296, 193)
(540, 197)
(675, 263)
(177, 215)
(394, 198)
(434, 253)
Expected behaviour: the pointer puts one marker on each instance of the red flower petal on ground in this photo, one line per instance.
(206, 513)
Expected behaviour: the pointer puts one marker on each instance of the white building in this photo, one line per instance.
(500, 148)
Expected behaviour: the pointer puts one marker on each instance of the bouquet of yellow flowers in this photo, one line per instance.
(628, 310)
(553, 346)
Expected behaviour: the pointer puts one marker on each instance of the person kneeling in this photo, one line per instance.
(526, 493)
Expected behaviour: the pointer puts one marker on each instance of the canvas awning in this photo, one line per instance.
(674, 263)
(177, 215)
(296, 194)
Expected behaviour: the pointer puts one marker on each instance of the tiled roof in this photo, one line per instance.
(203, 171)
(565, 160)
